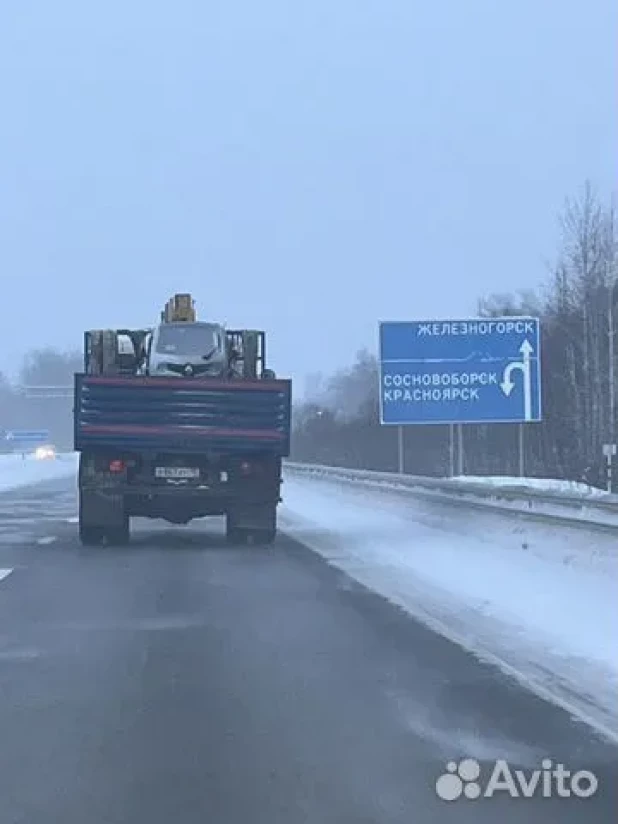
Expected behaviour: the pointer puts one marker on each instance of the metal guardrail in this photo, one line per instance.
(574, 507)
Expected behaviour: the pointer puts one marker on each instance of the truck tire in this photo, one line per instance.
(92, 534)
(234, 534)
(89, 535)
(119, 535)
(265, 537)
(262, 535)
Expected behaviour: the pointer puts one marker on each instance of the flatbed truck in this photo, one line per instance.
(184, 421)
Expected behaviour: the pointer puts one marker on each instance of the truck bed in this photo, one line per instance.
(180, 415)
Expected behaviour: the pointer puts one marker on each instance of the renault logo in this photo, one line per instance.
(188, 369)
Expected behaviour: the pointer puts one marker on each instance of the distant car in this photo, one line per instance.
(44, 453)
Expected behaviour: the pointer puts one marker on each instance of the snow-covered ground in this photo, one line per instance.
(16, 471)
(540, 484)
(539, 600)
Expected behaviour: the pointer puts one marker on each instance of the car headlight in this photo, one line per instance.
(43, 453)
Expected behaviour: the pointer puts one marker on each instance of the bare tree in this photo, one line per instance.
(576, 308)
(22, 410)
(48, 367)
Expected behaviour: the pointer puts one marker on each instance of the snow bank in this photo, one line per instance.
(16, 471)
(564, 501)
(559, 487)
(535, 599)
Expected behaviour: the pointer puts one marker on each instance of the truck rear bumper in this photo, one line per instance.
(177, 505)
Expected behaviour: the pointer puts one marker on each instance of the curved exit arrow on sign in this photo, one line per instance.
(523, 366)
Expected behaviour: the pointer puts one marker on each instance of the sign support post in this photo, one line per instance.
(609, 450)
(400, 453)
(521, 450)
(451, 450)
(460, 450)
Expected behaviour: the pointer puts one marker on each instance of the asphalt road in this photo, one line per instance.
(180, 680)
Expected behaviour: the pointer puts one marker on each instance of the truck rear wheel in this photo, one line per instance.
(90, 535)
(119, 535)
(93, 522)
(234, 534)
(265, 537)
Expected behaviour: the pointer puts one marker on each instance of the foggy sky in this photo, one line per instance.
(304, 167)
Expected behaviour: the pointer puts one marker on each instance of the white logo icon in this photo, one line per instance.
(459, 779)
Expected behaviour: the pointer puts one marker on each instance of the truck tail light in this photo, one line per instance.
(117, 466)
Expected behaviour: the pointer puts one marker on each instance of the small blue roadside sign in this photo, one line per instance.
(29, 437)
(479, 370)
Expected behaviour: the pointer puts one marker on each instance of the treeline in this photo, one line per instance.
(339, 423)
(24, 405)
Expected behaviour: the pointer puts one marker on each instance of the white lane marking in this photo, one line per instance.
(72, 520)
(5, 573)
(48, 539)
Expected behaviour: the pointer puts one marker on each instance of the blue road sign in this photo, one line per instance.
(480, 370)
(27, 436)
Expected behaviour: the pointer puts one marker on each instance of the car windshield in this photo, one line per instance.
(189, 339)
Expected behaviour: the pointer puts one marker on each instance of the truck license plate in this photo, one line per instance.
(177, 472)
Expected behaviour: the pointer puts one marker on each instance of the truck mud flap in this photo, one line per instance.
(102, 509)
